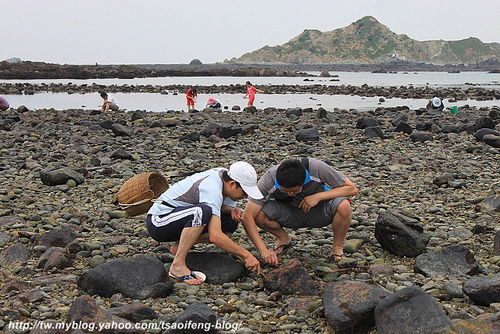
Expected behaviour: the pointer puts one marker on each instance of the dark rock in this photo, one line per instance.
(193, 136)
(138, 114)
(381, 100)
(424, 126)
(496, 244)
(236, 108)
(484, 122)
(324, 74)
(409, 310)
(420, 137)
(479, 134)
(17, 253)
(164, 123)
(483, 290)
(366, 122)
(135, 312)
(85, 310)
(403, 127)
(322, 113)
(294, 111)
(444, 179)
(55, 257)
(251, 109)
(306, 135)
(33, 296)
(373, 132)
(218, 267)
(200, 316)
(10, 220)
(399, 238)
(491, 203)
(140, 277)
(450, 129)
(452, 261)
(121, 130)
(55, 175)
(22, 109)
(121, 154)
(494, 114)
(492, 140)
(107, 124)
(60, 237)
(223, 130)
(349, 306)
(399, 118)
(292, 279)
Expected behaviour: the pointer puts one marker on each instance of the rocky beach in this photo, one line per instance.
(423, 250)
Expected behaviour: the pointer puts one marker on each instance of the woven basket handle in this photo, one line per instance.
(124, 205)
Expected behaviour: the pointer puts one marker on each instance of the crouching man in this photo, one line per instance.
(299, 193)
(202, 208)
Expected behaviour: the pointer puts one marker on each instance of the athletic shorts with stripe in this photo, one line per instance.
(168, 227)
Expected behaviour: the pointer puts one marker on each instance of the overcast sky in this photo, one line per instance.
(165, 31)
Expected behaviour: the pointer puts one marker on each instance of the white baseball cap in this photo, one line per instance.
(436, 102)
(243, 173)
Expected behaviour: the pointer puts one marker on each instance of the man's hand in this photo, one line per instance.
(253, 264)
(270, 257)
(308, 203)
(237, 215)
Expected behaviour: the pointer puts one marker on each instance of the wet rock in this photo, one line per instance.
(193, 136)
(403, 127)
(409, 310)
(85, 310)
(236, 108)
(366, 122)
(484, 122)
(218, 267)
(492, 140)
(121, 130)
(307, 135)
(479, 134)
(349, 306)
(60, 237)
(483, 290)
(222, 130)
(55, 257)
(373, 132)
(22, 109)
(398, 119)
(424, 126)
(421, 137)
(400, 237)
(121, 154)
(140, 277)
(322, 113)
(135, 312)
(138, 114)
(291, 279)
(450, 129)
(200, 315)
(452, 261)
(53, 176)
(17, 253)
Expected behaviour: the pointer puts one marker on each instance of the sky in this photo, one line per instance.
(175, 32)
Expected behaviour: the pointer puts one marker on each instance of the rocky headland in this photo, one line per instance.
(423, 250)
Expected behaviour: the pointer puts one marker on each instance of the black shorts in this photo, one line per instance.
(169, 227)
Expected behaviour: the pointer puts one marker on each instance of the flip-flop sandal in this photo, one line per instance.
(285, 248)
(333, 256)
(192, 275)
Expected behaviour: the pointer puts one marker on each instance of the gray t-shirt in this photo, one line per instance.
(322, 178)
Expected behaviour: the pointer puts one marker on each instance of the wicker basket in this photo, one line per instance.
(138, 193)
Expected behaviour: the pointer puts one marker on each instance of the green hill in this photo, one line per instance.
(369, 41)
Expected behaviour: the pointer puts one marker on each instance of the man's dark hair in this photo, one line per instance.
(227, 178)
(103, 94)
(291, 173)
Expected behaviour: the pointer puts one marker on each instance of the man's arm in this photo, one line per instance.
(251, 212)
(217, 237)
(236, 214)
(346, 190)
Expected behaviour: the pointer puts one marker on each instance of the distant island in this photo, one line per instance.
(367, 41)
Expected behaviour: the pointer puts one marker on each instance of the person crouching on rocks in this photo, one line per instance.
(213, 103)
(299, 193)
(110, 102)
(251, 93)
(435, 104)
(202, 208)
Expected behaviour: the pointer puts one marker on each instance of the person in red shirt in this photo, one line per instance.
(191, 94)
(251, 93)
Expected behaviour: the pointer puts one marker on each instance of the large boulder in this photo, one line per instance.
(374, 132)
(420, 137)
(403, 127)
(479, 134)
(59, 237)
(409, 310)
(349, 306)
(219, 268)
(452, 261)
(55, 257)
(483, 290)
(400, 235)
(139, 277)
(55, 175)
(15, 254)
(222, 130)
(292, 279)
(484, 122)
(198, 318)
(492, 140)
(293, 112)
(307, 135)
(366, 122)
(120, 130)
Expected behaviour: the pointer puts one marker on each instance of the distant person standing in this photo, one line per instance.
(191, 95)
(435, 104)
(4, 105)
(110, 102)
(251, 93)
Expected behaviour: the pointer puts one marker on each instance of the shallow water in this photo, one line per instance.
(159, 102)
(440, 79)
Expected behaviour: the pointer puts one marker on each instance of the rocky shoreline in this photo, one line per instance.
(452, 93)
(430, 176)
